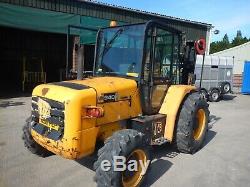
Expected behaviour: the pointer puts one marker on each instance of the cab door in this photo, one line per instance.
(160, 67)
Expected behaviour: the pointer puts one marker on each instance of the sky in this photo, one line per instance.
(227, 16)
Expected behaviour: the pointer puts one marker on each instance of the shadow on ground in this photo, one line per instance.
(210, 133)
(161, 156)
(158, 167)
(9, 95)
(228, 97)
(88, 161)
(5, 104)
(160, 163)
(212, 121)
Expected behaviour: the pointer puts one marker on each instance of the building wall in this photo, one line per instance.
(241, 54)
(54, 17)
(193, 30)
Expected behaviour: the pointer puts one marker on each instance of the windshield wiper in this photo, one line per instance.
(108, 45)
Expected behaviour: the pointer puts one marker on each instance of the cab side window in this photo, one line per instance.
(163, 54)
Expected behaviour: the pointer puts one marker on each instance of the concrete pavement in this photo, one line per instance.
(223, 161)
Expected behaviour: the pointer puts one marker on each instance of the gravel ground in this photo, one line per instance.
(223, 161)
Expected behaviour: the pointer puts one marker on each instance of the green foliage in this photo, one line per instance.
(238, 40)
(225, 43)
(225, 39)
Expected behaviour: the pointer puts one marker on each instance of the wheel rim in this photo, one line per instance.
(133, 178)
(226, 88)
(215, 96)
(201, 121)
(203, 94)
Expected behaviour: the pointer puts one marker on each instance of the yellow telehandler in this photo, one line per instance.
(140, 95)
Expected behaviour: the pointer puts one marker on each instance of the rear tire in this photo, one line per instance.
(30, 143)
(122, 143)
(192, 124)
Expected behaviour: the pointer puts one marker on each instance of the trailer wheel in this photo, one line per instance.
(30, 143)
(130, 144)
(214, 95)
(225, 87)
(192, 124)
(203, 94)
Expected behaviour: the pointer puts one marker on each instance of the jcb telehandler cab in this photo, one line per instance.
(138, 97)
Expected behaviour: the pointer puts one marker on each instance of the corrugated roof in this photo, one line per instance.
(146, 12)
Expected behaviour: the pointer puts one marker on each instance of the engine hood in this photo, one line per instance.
(103, 86)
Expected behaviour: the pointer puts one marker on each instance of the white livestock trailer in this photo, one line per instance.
(217, 77)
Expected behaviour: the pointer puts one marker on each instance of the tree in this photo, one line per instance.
(225, 43)
(214, 47)
(225, 39)
(220, 45)
(238, 39)
(239, 35)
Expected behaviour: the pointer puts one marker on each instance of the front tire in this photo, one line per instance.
(30, 143)
(192, 124)
(130, 144)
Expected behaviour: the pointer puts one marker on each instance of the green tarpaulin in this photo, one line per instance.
(36, 19)
(49, 21)
(88, 36)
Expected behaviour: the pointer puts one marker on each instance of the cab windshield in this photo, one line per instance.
(120, 50)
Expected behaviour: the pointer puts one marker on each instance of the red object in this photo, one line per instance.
(94, 112)
(200, 46)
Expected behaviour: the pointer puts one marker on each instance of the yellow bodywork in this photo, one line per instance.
(80, 132)
(171, 105)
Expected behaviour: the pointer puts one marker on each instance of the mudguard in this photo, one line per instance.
(171, 105)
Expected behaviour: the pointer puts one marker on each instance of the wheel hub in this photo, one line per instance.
(203, 95)
(226, 88)
(215, 96)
